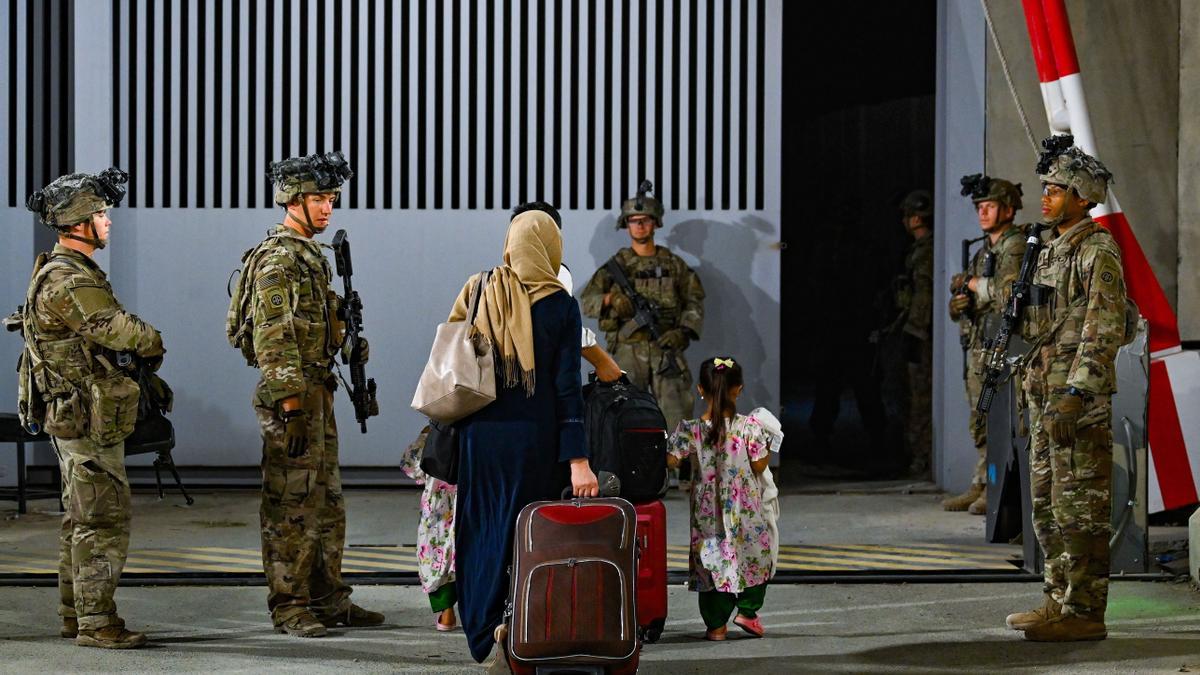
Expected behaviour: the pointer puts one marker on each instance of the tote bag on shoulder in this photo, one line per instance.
(460, 376)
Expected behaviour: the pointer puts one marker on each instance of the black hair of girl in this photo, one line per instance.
(718, 378)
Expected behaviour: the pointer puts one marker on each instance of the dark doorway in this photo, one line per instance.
(858, 134)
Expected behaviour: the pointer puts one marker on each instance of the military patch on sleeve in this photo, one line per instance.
(1107, 276)
(272, 295)
(91, 299)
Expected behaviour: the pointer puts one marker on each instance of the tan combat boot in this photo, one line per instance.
(963, 502)
(113, 636)
(70, 627)
(1026, 620)
(303, 625)
(1068, 628)
(979, 506)
(354, 617)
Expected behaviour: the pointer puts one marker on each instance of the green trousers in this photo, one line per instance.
(445, 597)
(716, 607)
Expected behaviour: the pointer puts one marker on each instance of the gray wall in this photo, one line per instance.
(170, 265)
(1129, 57)
(959, 150)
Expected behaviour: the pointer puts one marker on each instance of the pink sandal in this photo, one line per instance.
(752, 626)
(443, 627)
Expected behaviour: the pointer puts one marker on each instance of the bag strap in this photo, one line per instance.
(473, 309)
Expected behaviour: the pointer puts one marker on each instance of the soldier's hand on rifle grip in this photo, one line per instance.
(1064, 416)
(363, 350)
(959, 305)
(620, 303)
(295, 432)
(674, 340)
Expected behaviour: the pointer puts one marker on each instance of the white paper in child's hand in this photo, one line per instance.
(770, 424)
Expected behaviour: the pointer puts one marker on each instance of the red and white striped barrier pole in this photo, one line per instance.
(1174, 374)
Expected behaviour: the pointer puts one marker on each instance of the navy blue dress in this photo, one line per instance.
(513, 452)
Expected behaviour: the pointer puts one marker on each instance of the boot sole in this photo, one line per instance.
(1084, 638)
(301, 633)
(84, 641)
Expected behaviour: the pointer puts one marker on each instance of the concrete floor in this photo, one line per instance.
(811, 628)
(925, 628)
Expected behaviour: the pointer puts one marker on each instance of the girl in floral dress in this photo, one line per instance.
(730, 559)
(435, 537)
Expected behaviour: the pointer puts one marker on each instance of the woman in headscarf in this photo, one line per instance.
(528, 444)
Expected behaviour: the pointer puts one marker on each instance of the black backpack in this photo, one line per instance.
(627, 436)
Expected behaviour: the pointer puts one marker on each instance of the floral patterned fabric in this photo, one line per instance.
(731, 539)
(435, 531)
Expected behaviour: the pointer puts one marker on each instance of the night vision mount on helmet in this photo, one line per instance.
(641, 205)
(314, 173)
(981, 188)
(72, 199)
(1061, 163)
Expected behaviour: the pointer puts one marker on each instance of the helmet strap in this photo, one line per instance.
(306, 224)
(94, 241)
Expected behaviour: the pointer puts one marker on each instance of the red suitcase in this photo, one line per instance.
(572, 599)
(652, 569)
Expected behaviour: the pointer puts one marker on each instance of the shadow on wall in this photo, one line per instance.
(732, 300)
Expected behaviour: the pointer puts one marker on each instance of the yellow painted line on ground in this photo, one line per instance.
(17, 569)
(200, 557)
(398, 554)
(924, 561)
(245, 552)
(191, 566)
(856, 563)
(981, 548)
(910, 552)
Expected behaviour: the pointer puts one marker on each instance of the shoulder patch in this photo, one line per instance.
(272, 294)
(91, 300)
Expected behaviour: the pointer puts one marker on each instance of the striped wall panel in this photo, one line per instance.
(442, 104)
(36, 101)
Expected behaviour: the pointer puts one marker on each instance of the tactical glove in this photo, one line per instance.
(1064, 415)
(959, 281)
(621, 305)
(673, 340)
(959, 305)
(295, 433)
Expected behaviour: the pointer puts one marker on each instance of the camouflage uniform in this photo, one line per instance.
(1075, 337)
(293, 335)
(990, 298)
(74, 328)
(915, 301)
(303, 516)
(666, 280)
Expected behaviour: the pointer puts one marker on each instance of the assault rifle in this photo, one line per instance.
(362, 390)
(645, 315)
(997, 346)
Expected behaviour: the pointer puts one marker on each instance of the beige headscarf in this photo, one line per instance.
(532, 256)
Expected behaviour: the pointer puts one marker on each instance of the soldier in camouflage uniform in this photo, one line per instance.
(72, 385)
(666, 280)
(915, 301)
(980, 295)
(286, 323)
(1075, 325)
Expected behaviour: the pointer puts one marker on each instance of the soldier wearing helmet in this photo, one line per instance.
(73, 386)
(979, 295)
(663, 278)
(1075, 324)
(914, 299)
(284, 318)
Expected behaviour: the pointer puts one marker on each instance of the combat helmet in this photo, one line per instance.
(304, 175)
(642, 204)
(72, 199)
(982, 188)
(917, 203)
(1061, 163)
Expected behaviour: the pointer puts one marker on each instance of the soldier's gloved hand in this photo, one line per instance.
(958, 281)
(295, 432)
(674, 340)
(620, 303)
(1064, 416)
(959, 305)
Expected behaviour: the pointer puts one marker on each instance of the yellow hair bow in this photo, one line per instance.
(723, 363)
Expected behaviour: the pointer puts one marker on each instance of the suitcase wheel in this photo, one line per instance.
(653, 631)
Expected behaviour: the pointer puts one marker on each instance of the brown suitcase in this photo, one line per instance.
(572, 602)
